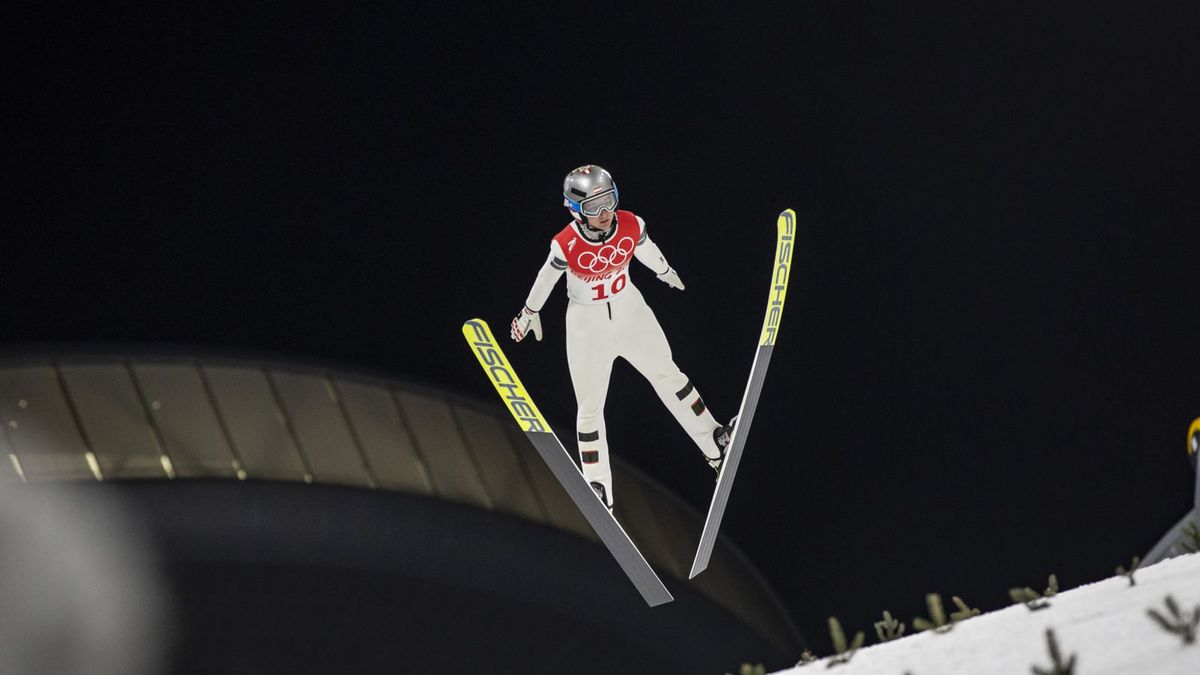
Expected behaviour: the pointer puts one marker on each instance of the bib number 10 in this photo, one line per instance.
(605, 291)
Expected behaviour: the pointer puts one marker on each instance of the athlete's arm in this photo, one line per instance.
(547, 277)
(649, 254)
(527, 320)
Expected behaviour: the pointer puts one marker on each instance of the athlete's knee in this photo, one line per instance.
(589, 419)
(670, 378)
(665, 380)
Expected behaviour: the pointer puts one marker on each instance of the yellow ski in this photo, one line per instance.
(504, 378)
(786, 224)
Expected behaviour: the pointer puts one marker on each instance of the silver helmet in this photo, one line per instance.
(588, 191)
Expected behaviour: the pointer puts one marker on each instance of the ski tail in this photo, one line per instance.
(786, 232)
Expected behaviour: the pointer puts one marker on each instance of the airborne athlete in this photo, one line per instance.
(607, 317)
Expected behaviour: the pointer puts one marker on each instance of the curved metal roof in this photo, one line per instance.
(99, 418)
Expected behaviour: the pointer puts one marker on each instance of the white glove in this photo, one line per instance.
(525, 323)
(671, 278)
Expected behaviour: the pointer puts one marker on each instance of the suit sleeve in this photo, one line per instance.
(547, 277)
(648, 253)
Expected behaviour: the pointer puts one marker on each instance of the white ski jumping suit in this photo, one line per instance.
(606, 318)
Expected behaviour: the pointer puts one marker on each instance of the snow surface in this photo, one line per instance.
(1104, 624)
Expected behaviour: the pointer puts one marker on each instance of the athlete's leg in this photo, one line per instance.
(642, 342)
(590, 357)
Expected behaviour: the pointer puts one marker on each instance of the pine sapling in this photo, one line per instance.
(806, 657)
(889, 629)
(937, 616)
(964, 612)
(1058, 668)
(1137, 562)
(844, 652)
(1179, 624)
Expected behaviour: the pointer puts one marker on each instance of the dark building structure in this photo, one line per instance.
(309, 519)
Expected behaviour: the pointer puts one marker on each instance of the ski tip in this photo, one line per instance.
(697, 568)
(786, 222)
(477, 329)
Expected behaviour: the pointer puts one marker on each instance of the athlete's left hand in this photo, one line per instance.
(671, 278)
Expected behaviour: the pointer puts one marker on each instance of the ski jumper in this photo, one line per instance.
(607, 317)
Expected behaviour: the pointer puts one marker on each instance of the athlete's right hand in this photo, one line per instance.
(525, 323)
(671, 278)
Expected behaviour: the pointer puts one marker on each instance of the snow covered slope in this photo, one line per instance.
(1104, 624)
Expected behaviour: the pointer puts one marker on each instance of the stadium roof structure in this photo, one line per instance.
(309, 515)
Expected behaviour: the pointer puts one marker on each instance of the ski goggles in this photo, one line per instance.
(592, 206)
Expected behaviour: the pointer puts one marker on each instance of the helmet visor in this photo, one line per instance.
(592, 206)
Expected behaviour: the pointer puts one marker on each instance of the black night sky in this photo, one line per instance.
(991, 347)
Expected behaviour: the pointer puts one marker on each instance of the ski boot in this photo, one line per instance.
(598, 487)
(721, 436)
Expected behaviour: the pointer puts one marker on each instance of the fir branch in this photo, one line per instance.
(1137, 562)
(844, 652)
(964, 612)
(1178, 624)
(889, 629)
(1058, 668)
(1193, 533)
(1031, 598)
(937, 621)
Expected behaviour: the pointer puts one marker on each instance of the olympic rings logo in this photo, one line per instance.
(609, 255)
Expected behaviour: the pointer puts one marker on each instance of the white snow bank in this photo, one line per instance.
(1104, 624)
